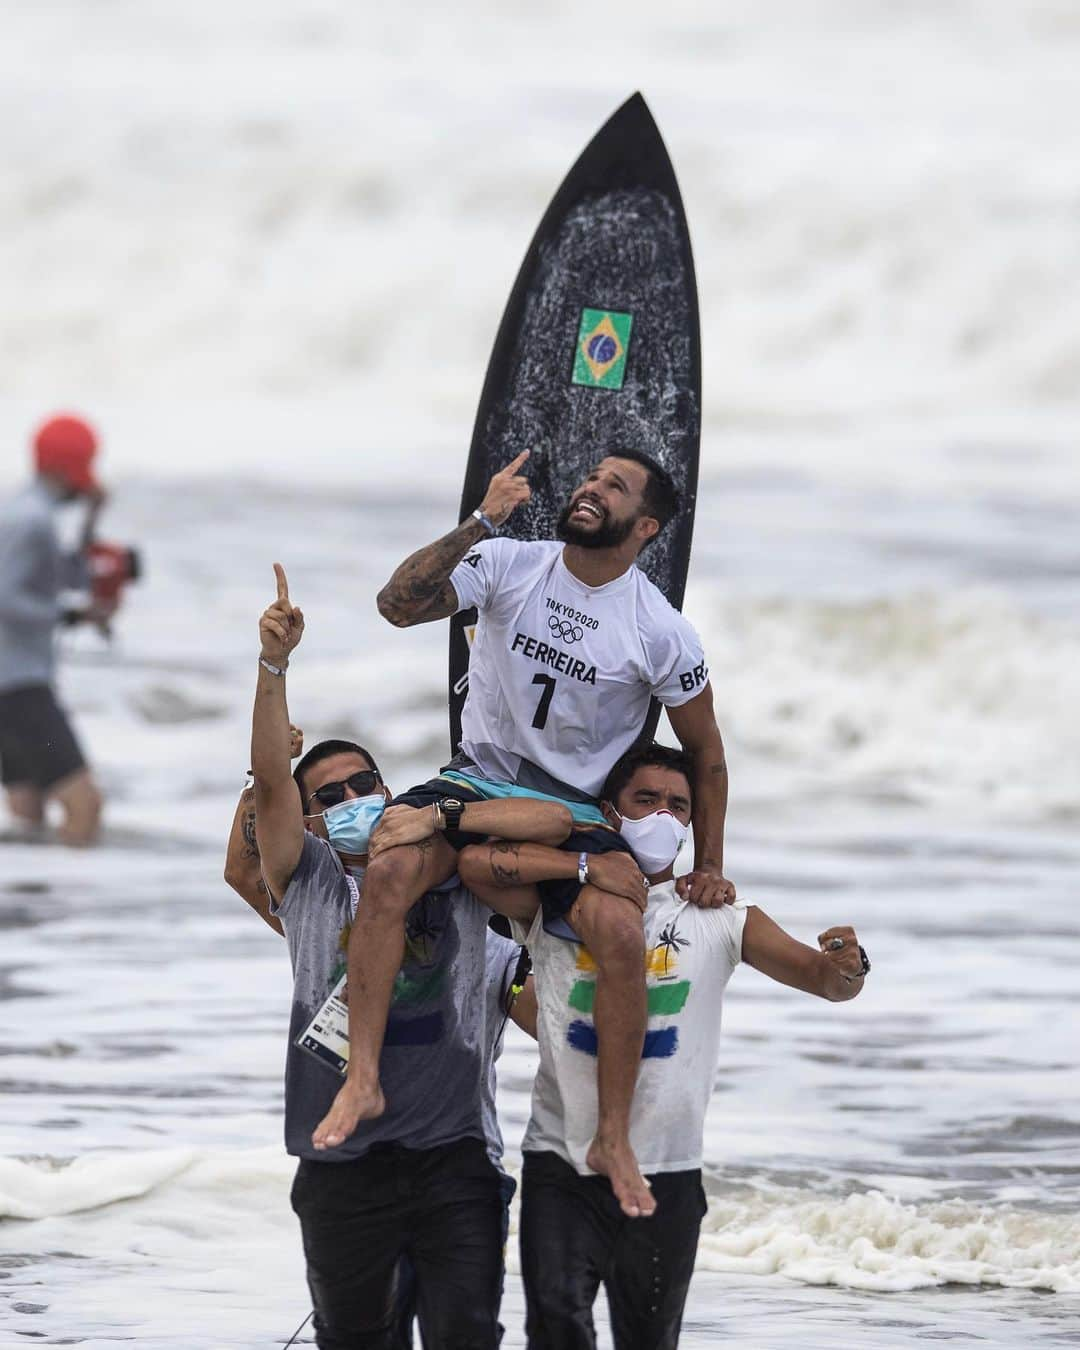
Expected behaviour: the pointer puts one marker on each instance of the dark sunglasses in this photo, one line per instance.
(362, 782)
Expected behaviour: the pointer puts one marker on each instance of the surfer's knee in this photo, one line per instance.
(392, 882)
(611, 928)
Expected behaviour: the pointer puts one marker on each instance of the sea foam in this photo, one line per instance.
(875, 1242)
(864, 1241)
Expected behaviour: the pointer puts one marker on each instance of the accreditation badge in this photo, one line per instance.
(327, 1034)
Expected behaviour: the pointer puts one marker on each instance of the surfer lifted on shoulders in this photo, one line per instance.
(572, 642)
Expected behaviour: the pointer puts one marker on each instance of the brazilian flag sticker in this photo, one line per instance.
(602, 343)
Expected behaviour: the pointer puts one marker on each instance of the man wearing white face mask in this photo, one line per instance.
(573, 1234)
(416, 1189)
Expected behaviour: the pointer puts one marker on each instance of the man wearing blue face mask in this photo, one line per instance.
(415, 1190)
(574, 1236)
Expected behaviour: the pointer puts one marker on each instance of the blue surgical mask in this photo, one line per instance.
(350, 823)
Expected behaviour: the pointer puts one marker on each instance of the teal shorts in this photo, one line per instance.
(582, 812)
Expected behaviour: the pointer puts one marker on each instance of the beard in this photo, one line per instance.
(608, 534)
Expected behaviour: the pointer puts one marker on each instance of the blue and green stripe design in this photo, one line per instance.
(666, 998)
(416, 989)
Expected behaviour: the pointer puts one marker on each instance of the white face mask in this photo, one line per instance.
(656, 840)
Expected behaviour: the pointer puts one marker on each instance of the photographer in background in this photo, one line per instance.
(40, 758)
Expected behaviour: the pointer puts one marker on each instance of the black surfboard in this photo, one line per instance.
(599, 348)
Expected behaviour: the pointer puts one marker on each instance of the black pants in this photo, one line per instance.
(574, 1237)
(439, 1208)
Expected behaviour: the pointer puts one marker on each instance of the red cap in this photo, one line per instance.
(65, 446)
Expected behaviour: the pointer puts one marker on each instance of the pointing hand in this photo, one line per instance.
(506, 491)
(282, 624)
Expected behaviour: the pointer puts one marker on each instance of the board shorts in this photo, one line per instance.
(591, 834)
(37, 745)
(557, 898)
(434, 790)
(469, 788)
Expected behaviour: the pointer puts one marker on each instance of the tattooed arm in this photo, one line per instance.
(694, 723)
(242, 868)
(493, 872)
(420, 591)
(504, 874)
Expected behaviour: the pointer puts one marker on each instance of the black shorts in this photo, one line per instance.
(557, 897)
(434, 790)
(37, 746)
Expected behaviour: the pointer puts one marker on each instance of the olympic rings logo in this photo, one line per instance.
(564, 629)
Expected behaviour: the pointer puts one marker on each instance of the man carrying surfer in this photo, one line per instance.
(571, 644)
(573, 1235)
(414, 1195)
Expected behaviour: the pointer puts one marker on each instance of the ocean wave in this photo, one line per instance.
(858, 253)
(867, 1241)
(43, 1188)
(874, 1242)
(961, 699)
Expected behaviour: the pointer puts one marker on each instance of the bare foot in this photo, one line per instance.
(617, 1162)
(355, 1102)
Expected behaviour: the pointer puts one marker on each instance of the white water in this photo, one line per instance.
(267, 247)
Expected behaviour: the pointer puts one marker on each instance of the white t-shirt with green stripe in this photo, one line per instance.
(690, 956)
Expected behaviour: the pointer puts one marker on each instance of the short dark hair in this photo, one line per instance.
(323, 750)
(661, 496)
(646, 757)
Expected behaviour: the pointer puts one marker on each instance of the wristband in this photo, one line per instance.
(274, 670)
(583, 869)
(484, 520)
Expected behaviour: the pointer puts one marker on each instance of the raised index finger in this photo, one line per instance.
(282, 582)
(516, 463)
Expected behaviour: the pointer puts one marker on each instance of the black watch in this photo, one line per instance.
(451, 809)
(865, 966)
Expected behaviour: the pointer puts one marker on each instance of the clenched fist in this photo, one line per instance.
(841, 949)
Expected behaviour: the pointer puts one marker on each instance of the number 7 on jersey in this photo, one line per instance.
(541, 715)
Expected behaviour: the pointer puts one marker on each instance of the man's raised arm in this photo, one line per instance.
(242, 870)
(243, 867)
(420, 591)
(279, 812)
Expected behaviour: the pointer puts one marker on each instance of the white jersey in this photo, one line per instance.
(560, 673)
(691, 954)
